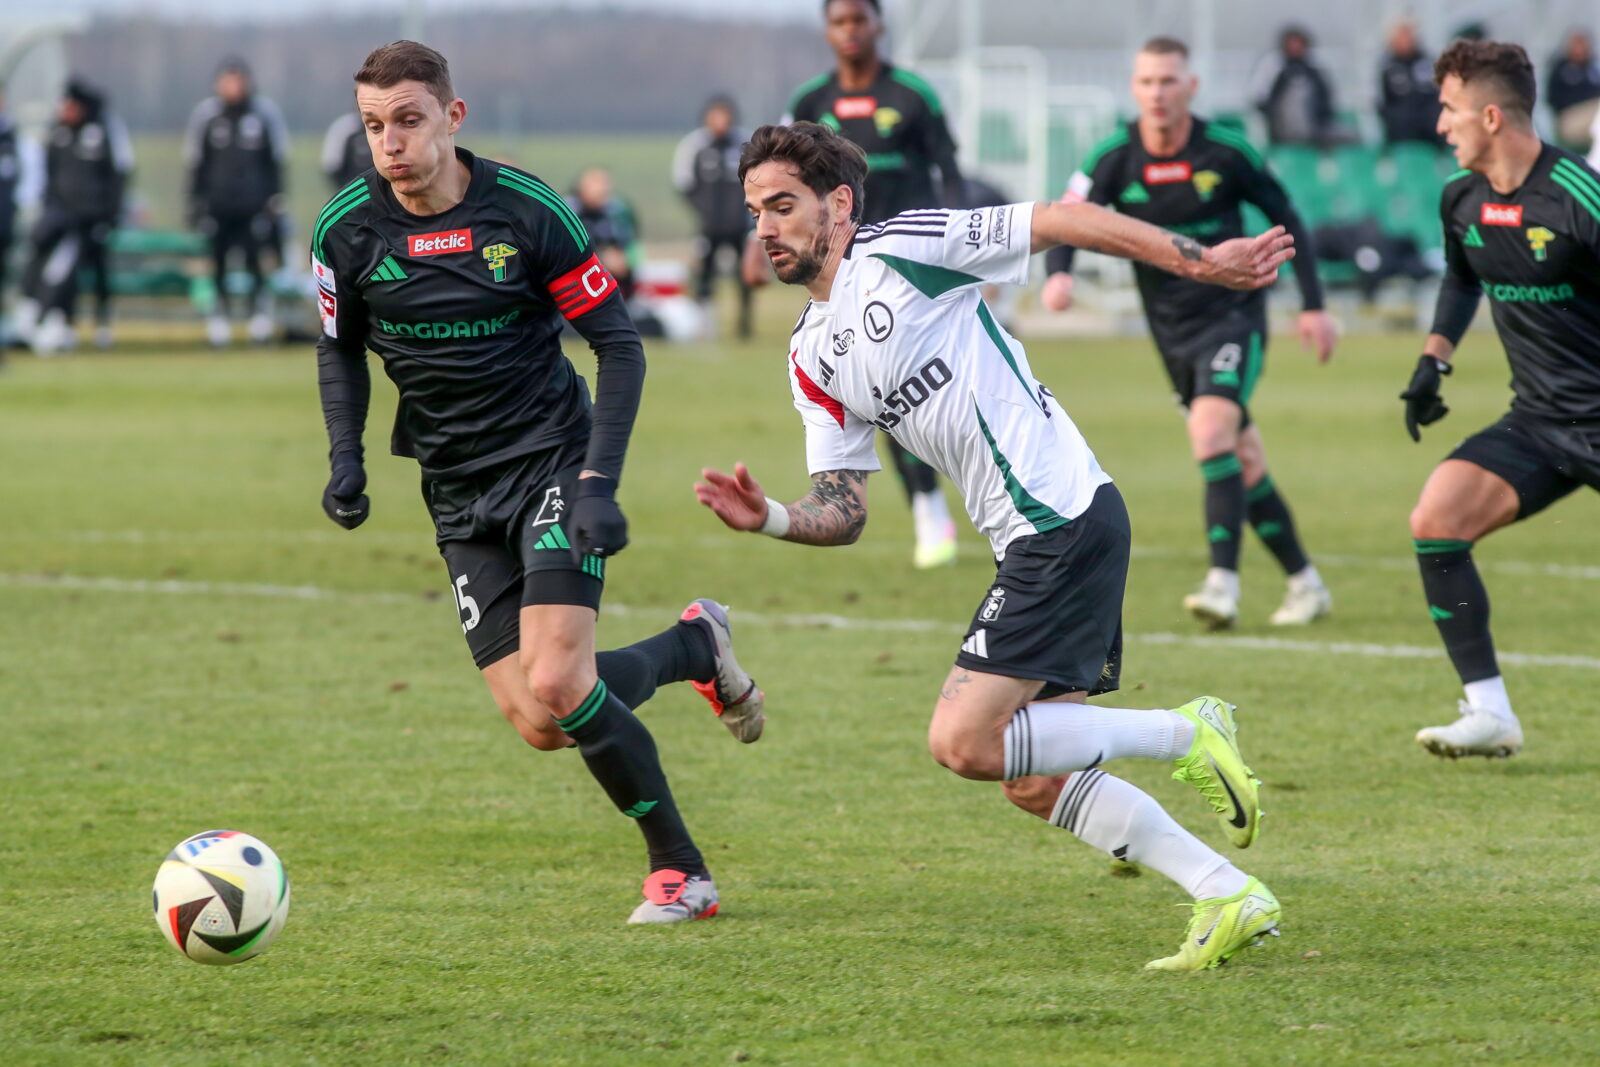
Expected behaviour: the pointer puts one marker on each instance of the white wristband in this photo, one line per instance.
(777, 521)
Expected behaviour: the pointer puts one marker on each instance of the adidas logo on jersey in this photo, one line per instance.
(977, 644)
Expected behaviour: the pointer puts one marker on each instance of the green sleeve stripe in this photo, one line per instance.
(341, 195)
(1099, 151)
(1229, 139)
(329, 223)
(1040, 514)
(1457, 174)
(575, 228)
(992, 328)
(551, 197)
(917, 85)
(931, 281)
(345, 196)
(1583, 187)
(807, 87)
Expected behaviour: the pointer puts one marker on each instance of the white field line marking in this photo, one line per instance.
(723, 542)
(819, 621)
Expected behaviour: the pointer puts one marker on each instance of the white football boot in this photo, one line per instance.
(732, 693)
(1216, 602)
(219, 331)
(1476, 733)
(1303, 604)
(260, 327)
(675, 897)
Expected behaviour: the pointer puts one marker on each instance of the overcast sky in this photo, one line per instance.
(231, 10)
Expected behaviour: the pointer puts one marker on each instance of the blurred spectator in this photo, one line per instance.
(21, 173)
(345, 152)
(705, 170)
(1573, 91)
(235, 147)
(88, 158)
(1408, 101)
(611, 225)
(1293, 93)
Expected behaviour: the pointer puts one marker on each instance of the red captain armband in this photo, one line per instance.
(583, 288)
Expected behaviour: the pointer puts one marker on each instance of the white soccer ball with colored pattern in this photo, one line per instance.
(221, 897)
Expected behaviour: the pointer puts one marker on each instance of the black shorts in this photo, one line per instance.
(1219, 357)
(1543, 460)
(505, 538)
(1054, 611)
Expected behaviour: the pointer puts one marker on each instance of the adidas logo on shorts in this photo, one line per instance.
(977, 644)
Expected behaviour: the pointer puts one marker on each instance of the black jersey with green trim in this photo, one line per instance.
(1536, 253)
(466, 309)
(1198, 192)
(899, 123)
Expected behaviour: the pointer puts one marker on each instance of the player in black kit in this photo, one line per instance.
(1522, 226)
(898, 121)
(1179, 171)
(459, 273)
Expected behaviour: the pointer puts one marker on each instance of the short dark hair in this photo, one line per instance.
(876, 9)
(1502, 66)
(1165, 46)
(402, 61)
(823, 159)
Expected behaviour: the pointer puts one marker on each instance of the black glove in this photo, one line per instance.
(344, 500)
(598, 527)
(1423, 406)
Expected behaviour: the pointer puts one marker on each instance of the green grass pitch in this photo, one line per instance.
(186, 642)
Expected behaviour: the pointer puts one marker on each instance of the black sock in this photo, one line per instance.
(1224, 508)
(680, 653)
(915, 475)
(1274, 524)
(621, 755)
(1459, 605)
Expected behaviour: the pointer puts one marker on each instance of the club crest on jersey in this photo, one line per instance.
(879, 321)
(441, 243)
(886, 119)
(1501, 215)
(1538, 239)
(552, 507)
(1206, 182)
(1167, 173)
(495, 256)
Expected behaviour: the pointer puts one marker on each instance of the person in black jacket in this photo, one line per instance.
(705, 170)
(235, 148)
(88, 158)
(1293, 93)
(1573, 91)
(1408, 101)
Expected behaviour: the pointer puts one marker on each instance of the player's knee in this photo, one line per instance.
(1429, 522)
(559, 691)
(965, 755)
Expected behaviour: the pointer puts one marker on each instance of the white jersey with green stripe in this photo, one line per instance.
(906, 344)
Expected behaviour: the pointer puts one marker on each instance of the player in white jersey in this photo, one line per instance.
(897, 336)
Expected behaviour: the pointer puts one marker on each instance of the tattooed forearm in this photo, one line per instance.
(833, 513)
(1188, 248)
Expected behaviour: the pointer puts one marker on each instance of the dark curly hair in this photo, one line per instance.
(823, 159)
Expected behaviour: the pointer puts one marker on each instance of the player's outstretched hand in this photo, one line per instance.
(1423, 405)
(735, 498)
(345, 499)
(598, 525)
(1057, 292)
(1318, 334)
(1245, 262)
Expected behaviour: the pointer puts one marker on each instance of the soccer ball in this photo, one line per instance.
(221, 897)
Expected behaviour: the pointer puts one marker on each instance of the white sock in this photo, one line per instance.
(1227, 580)
(930, 515)
(1120, 818)
(1306, 578)
(1490, 695)
(1053, 737)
